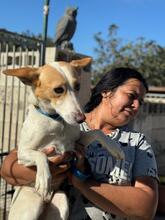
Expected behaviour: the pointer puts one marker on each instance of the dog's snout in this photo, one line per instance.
(80, 117)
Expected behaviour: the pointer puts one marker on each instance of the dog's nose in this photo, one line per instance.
(80, 117)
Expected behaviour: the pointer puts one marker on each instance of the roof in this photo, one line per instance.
(156, 89)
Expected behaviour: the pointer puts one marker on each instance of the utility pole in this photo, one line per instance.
(45, 28)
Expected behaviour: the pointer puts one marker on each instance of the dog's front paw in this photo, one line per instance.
(43, 182)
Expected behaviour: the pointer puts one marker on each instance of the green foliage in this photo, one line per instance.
(145, 55)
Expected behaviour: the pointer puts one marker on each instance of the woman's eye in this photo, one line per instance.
(59, 90)
(132, 96)
(77, 87)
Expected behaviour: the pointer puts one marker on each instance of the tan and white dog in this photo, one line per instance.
(53, 119)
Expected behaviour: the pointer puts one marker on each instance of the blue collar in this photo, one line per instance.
(54, 116)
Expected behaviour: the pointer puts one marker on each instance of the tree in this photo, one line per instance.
(145, 55)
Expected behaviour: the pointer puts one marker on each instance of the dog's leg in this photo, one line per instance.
(43, 177)
(27, 204)
(87, 138)
(57, 209)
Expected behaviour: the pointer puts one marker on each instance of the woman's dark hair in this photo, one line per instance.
(110, 81)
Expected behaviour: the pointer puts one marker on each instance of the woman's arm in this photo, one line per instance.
(139, 201)
(17, 174)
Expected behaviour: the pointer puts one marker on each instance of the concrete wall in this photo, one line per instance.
(151, 122)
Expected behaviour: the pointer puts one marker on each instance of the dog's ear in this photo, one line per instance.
(28, 75)
(81, 63)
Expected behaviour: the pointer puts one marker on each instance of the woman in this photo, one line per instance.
(115, 189)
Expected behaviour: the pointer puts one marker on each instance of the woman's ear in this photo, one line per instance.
(106, 94)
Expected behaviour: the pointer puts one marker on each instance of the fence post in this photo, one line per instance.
(45, 28)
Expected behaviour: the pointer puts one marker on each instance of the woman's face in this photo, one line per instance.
(123, 104)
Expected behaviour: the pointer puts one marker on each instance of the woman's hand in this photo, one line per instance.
(17, 174)
(81, 166)
(59, 165)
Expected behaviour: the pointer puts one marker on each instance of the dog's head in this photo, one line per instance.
(55, 86)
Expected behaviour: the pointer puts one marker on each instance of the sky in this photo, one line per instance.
(135, 18)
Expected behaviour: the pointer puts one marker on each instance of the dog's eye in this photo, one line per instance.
(59, 90)
(77, 87)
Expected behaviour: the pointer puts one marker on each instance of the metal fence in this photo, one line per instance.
(15, 51)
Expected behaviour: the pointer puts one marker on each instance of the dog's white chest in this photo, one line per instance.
(41, 131)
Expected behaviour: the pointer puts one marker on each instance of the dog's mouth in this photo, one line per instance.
(75, 118)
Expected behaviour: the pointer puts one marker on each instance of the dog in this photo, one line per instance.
(53, 119)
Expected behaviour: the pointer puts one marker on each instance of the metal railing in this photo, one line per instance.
(15, 51)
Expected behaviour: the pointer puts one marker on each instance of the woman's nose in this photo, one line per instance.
(136, 104)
